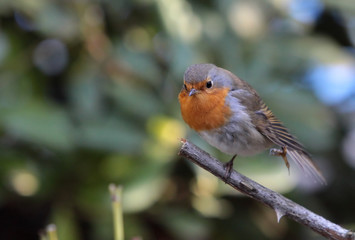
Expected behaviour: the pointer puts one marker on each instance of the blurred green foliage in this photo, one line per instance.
(88, 96)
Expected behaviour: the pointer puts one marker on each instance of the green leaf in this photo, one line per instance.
(110, 135)
(39, 123)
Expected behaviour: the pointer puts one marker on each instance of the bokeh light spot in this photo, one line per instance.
(24, 182)
(205, 185)
(333, 83)
(51, 56)
(305, 11)
(180, 20)
(166, 130)
(212, 207)
(247, 19)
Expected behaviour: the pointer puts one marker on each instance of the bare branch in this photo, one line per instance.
(281, 205)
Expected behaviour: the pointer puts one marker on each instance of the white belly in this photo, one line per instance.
(236, 139)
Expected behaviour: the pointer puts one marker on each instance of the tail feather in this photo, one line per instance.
(273, 129)
(305, 163)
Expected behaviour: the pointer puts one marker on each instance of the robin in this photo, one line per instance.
(229, 114)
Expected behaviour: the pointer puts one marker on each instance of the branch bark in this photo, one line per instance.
(282, 206)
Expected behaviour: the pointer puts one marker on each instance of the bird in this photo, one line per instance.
(230, 115)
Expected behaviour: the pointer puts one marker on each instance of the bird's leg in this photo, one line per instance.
(281, 152)
(228, 166)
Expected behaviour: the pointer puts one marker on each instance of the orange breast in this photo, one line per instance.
(205, 111)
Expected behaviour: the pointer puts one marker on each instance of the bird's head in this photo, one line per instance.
(203, 96)
(202, 79)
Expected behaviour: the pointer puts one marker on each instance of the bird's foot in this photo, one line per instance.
(283, 153)
(229, 167)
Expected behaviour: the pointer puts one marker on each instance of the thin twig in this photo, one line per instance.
(116, 199)
(282, 206)
(52, 232)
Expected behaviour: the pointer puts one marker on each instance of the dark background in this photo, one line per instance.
(88, 96)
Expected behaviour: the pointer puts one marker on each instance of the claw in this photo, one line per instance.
(228, 166)
(281, 152)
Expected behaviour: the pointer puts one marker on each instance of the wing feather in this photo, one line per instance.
(278, 134)
(273, 129)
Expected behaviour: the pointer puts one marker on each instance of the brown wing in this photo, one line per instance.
(273, 129)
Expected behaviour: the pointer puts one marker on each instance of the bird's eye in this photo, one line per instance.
(209, 84)
(185, 87)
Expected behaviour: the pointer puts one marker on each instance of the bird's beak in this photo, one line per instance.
(192, 92)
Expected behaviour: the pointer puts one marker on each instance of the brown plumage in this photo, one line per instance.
(229, 114)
